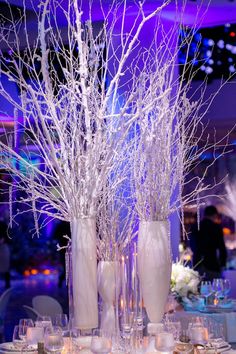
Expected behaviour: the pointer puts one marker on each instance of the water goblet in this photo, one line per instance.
(218, 288)
(101, 342)
(26, 322)
(226, 287)
(43, 321)
(205, 290)
(19, 336)
(61, 320)
(175, 328)
(53, 339)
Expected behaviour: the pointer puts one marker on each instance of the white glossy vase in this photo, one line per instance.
(154, 266)
(84, 273)
(107, 290)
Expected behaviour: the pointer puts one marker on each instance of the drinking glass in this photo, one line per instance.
(19, 336)
(101, 342)
(26, 322)
(34, 335)
(53, 339)
(23, 332)
(174, 327)
(184, 348)
(61, 320)
(199, 335)
(43, 321)
(205, 290)
(165, 342)
(226, 287)
(218, 288)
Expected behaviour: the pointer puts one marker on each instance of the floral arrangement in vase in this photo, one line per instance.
(184, 280)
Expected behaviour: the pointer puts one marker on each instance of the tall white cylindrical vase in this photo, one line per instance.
(154, 266)
(84, 273)
(107, 290)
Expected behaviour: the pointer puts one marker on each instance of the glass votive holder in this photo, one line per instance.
(34, 335)
(165, 342)
(198, 335)
(53, 340)
(183, 348)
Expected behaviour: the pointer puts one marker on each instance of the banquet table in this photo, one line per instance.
(226, 318)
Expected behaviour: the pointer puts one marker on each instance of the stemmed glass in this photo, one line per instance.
(26, 322)
(43, 321)
(218, 288)
(226, 287)
(19, 336)
(61, 320)
(53, 339)
(101, 343)
(206, 290)
(174, 327)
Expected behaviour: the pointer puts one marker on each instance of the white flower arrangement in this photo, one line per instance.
(184, 280)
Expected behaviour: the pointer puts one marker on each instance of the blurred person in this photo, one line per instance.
(207, 244)
(4, 255)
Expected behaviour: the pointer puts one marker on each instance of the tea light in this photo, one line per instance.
(198, 335)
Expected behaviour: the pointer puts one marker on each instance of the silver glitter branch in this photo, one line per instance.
(116, 126)
(77, 123)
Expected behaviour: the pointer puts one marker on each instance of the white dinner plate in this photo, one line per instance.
(9, 347)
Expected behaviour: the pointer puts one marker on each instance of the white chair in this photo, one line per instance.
(4, 299)
(31, 313)
(46, 305)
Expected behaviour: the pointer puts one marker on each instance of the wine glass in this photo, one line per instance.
(226, 287)
(23, 332)
(205, 290)
(43, 321)
(61, 320)
(100, 343)
(175, 328)
(19, 336)
(218, 288)
(28, 322)
(53, 339)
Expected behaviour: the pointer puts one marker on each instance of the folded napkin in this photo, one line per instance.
(218, 343)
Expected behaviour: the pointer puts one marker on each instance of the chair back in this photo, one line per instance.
(46, 305)
(31, 313)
